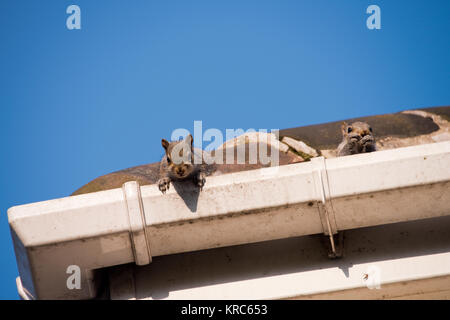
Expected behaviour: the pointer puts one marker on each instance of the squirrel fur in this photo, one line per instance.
(182, 162)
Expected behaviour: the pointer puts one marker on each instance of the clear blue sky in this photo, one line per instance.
(78, 104)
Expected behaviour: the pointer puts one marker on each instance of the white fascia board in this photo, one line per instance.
(134, 223)
(383, 262)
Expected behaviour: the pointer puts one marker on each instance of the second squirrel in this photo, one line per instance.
(356, 138)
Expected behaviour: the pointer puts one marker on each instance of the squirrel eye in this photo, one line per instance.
(168, 160)
(349, 129)
(370, 129)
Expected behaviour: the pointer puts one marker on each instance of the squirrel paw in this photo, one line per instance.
(367, 140)
(368, 144)
(353, 136)
(200, 180)
(164, 184)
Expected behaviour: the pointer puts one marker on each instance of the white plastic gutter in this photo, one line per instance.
(119, 226)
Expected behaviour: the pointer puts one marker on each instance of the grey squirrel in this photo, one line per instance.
(356, 138)
(178, 164)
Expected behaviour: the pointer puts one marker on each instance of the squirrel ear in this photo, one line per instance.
(344, 128)
(165, 143)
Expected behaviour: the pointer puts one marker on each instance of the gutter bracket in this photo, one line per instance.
(325, 207)
(136, 217)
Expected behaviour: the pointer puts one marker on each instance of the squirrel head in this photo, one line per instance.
(360, 128)
(180, 157)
